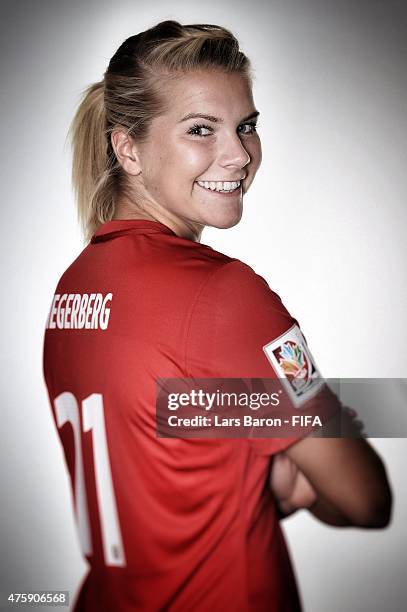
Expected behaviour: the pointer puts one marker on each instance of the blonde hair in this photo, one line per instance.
(128, 96)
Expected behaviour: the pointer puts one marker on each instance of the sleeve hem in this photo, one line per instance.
(263, 446)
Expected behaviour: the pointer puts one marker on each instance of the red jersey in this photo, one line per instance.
(164, 523)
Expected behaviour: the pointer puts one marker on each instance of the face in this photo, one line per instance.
(206, 138)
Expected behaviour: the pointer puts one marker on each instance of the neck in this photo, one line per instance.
(184, 228)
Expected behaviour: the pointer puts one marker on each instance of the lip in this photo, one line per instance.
(235, 180)
(232, 194)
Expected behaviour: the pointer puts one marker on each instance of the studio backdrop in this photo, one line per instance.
(324, 223)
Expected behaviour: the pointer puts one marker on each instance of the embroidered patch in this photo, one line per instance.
(294, 365)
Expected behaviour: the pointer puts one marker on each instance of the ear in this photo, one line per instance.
(126, 151)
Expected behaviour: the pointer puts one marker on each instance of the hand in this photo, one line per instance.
(351, 425)
(291, 488)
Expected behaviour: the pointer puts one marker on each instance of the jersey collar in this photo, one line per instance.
(125, 226)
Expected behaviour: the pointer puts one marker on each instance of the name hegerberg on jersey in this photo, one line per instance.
(79, 311)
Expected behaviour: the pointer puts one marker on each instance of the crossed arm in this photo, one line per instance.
(293, 492)
(341, 481)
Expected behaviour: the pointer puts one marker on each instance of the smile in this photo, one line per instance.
(220, 186)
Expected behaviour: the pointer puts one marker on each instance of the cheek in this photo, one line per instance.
(174, 163)
(193, 158)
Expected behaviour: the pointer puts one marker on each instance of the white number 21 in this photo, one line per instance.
(67, 411)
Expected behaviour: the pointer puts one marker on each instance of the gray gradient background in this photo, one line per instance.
(324, 223)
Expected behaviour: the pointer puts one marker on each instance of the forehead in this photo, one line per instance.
(210, 92)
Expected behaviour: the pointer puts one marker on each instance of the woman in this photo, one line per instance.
(165, 145)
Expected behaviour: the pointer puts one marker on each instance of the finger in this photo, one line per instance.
(350, 411)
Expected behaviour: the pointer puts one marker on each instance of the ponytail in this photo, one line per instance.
(91, 177)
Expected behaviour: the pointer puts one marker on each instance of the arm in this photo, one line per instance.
(293, 491)
(349, 480)
(244, 316)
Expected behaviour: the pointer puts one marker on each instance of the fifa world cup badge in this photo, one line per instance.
(294, 365)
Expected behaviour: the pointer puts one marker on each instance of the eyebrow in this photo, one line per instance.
(215, 119)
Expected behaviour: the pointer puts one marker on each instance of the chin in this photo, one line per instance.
(225, 222)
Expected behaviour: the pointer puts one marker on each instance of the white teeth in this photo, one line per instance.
(220, 185)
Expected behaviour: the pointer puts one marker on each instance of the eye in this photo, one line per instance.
(252, 126)
(196, 128)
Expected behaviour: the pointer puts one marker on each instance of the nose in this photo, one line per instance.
(233, 154)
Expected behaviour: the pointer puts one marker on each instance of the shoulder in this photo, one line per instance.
(234, 285)
(207, 274)
(186, 261)
(234, 318)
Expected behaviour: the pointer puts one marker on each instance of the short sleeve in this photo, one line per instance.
(234, 317)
